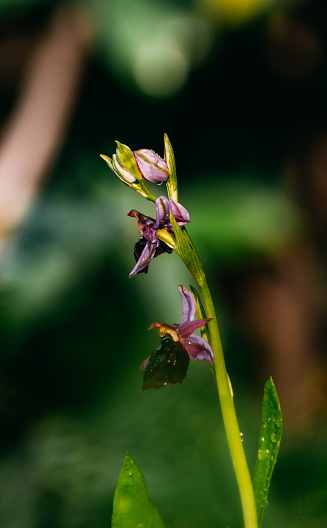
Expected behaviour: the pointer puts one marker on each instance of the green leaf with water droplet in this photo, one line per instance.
(132, 507)
(269, 441)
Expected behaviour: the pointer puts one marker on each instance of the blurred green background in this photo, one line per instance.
(239, 86)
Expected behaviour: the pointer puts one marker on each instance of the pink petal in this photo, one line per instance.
(146, 256)
(152, 167)
(144, 364)
(187, 329)
(188, 305)
(180, 213)
(198, 348)
(162, 211)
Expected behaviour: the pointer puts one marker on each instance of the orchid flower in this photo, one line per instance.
(168, 364)
(149, 246)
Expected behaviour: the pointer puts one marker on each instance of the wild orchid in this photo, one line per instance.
(168, 364)
(149, 246)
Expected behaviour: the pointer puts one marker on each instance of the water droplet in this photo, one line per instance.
(262, 454)
(273, 438)
(242, 435)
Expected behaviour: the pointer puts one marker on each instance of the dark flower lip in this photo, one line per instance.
(166, 366)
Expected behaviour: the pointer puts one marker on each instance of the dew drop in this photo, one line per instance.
(242, 437)
(273, 438)
(262, 454)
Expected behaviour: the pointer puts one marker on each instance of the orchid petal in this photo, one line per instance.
(150, 233)
(188, 305)
(187, 329)
(144, 364)
(162, 211)
(198, 348)
(180, 213)
(152, 167)
(146, 256)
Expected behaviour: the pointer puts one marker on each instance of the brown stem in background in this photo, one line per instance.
(37, 127)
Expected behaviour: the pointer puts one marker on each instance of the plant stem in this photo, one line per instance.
(192, 261)
(229, 414)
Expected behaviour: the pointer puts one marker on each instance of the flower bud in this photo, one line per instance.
(152, 167)
(124, 164)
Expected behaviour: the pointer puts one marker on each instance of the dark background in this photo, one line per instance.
(247, 120)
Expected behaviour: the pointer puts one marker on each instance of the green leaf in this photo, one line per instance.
(172, 179)
(132, 507)
(269, 442)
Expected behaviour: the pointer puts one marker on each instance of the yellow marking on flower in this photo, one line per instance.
(167, 238)
(164, 329)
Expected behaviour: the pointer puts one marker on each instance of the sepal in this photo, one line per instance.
(125, 162)
(152, 167)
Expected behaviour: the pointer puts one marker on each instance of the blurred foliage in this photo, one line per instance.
(72, 325)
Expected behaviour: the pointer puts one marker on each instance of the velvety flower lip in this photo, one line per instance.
(197, 347)
(152, 167)
(149, 246)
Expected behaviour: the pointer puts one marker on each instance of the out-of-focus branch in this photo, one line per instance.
(31, 138)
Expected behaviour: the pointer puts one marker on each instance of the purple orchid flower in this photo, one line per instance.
(196, 347)
(149, 246)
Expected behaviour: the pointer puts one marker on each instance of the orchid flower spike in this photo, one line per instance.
(168, 364)
(149, 246)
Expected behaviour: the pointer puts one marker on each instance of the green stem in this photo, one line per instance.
(188, 254)
(229, 414)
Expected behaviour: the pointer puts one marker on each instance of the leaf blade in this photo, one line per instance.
(269, 442)
(132, 506)
(172, 179)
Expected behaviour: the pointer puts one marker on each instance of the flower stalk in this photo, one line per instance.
(187, 252)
